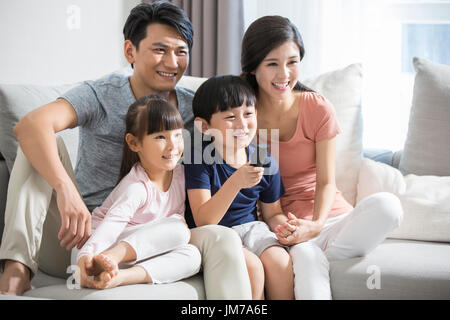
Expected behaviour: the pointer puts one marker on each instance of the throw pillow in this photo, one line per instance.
(343, 89)
(427, 147)
(425, 200)
(18, 100)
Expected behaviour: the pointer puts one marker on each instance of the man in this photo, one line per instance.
(43, 187)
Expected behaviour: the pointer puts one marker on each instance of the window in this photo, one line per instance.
(384, 35)
(429, 41)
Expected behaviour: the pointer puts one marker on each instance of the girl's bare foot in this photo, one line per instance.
(104, 264)
(105, 281)
(133, 275)
(15, 279)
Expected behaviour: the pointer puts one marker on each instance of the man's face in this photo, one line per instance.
(161, 59)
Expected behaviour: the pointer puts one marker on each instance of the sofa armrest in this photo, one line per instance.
(4, 178)
(380, 155)
(385, 156)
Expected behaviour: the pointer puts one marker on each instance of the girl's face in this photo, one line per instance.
(235, 128)
(278, 73)
(160, 150)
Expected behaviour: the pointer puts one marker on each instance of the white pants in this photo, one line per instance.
(346, 236)
(162, 249)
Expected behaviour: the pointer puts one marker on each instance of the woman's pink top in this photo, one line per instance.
(297, 157)
(134, 201)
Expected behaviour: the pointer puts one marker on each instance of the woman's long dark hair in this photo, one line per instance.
(147, 115)
(261, 37)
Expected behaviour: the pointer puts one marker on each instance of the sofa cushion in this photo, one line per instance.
(427, 147)
(425, 200)
(191, 82)
(188, 289)
(18, 100)
(343, 88)
(396, 269)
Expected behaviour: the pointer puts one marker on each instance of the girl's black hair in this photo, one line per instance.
(147, 115)
(261, 37)
(221, 93)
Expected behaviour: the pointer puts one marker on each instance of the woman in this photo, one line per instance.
(326, 226)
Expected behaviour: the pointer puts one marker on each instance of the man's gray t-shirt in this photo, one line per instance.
(101, 107)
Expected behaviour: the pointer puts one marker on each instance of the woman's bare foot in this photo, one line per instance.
(104, 264)
(15, 279)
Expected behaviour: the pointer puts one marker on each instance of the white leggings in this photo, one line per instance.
(346, 236)
(162, 249)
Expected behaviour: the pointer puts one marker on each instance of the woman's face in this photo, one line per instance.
(278, 73)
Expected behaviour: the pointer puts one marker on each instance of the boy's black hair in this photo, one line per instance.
(144, 14)
(221, 93)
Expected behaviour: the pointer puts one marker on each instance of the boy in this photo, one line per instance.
(223, 187)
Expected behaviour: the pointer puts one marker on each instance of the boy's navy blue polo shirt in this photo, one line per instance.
(213, 176)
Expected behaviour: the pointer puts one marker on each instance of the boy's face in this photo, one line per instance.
(161, 59)
(234, 128)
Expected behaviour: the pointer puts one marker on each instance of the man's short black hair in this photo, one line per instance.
(166, 13)
(221, 93)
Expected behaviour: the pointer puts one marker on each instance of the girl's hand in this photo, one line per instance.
(247, 176)
(304, 230)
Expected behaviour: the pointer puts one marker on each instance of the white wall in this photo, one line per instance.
(51, 42)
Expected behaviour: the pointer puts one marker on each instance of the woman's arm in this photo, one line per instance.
(325, 181)
(323, 201)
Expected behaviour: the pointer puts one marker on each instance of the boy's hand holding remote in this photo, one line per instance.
(247, 176)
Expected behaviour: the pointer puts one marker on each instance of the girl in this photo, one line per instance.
(147, 203)
(326, 226)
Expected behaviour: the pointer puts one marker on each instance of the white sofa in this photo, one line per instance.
(414, 263)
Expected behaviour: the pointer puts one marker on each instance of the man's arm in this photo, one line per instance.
(35, 133)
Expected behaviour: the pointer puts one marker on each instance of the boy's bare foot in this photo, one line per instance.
(104, 264)
(15, 279)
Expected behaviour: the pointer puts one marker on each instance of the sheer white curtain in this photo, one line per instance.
(337, 33)
(331, 29)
